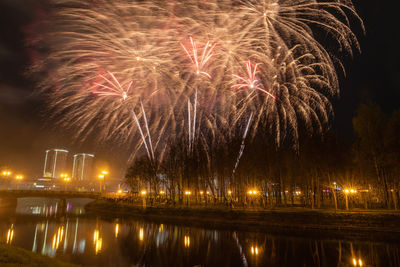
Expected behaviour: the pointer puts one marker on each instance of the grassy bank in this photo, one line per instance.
(15, 256)
(299, 221)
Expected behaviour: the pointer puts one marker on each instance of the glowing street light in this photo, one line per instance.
(187, 193)
(348, 191)
(65, 177)
(101, 176)
(252, 193)
(143, 193)
(101, 179)
(6, 173)
(19, 178)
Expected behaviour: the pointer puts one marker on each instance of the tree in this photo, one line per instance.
(369, 126)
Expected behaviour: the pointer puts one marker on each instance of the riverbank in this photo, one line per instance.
(378, 225)
(15, 256)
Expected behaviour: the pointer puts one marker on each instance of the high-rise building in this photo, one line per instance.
(82, 167)
(55, 162)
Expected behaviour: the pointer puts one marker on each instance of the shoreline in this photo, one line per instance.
(375, 225)
(16, 256)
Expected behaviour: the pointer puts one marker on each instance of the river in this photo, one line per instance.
(37, 225)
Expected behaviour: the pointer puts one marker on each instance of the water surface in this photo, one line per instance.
(38, 225)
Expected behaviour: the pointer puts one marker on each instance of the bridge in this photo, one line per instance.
(48, 193)
(8, 198)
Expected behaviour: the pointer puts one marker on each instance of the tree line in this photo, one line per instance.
(323, 171)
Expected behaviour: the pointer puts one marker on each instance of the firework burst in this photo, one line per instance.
(199, 61)
(290, 84)
(114, 88)
(251, 80)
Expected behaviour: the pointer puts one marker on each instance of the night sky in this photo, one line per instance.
(372, 76)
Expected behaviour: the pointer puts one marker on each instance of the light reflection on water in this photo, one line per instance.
(98, 242)
(50, 207)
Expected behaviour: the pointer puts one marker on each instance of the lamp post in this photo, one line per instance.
(18, 178)
(101, 178)
(143, 193)
(346, 193)
(252, 193)
(187, 193)
(230, 199)
(66, 179)
(5, 174)
(162, 195)
(334, 194)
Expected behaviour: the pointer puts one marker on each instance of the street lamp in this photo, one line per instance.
(18, 178)
(66, 180)
(143, 193)
(346, 194)
(162, 194)
(187, 193)
(101, 178)
(252, 192)
(6, 173)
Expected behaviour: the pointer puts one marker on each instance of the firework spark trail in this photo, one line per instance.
(189, 126)
(115, 90)
(194, 118)
(242, 146)
(242, 255)
(251, 81)
(192, 124)
(199, 63)
(142, 135)
(148, 132)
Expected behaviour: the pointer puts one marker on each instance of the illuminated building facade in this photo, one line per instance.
(55, 162)
(82, 167)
